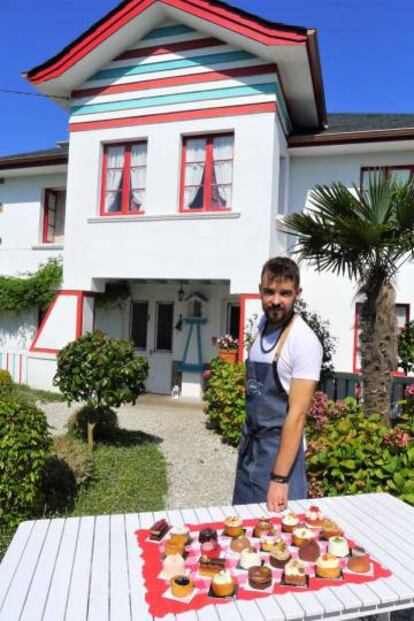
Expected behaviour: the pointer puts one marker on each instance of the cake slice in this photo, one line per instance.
(159, 529)
(210, 566)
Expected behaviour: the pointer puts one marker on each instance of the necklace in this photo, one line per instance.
(267, 351)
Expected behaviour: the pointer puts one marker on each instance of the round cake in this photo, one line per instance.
(301, 534)
(279, 555)
(359, 564)
(181, 586)
(173, 565)
(206, 534)
(211, 549)
(358, 551)
(249, 557)
(223, 584)
(267, 543)
(239, 543)
(263, 527)
(170, 547)
(233, 526)
(260, 577)
(309, 551)
(338, 546)
(327, 566)
(295, 573)
(314, 517)
(331, 529)
(289, 522)
(180, 535)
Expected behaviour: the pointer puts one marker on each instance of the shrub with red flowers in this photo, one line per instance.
(323, 411)
(409, 391)
(227, 342)
(397, 438)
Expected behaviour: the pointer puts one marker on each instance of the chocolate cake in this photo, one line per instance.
(159, 529)
(211, 566)
(309, 551)
(207, 534)
(260, 577)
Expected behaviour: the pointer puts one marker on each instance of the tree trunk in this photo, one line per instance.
(91, 427)
(379, 347)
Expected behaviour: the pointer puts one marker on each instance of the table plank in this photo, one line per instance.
(99, 584)
(77, 605)
(120, 607)
(139, 607)
(12, 558)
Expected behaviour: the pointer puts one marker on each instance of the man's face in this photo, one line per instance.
(278, 297)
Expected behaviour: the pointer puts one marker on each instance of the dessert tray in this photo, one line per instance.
(276, 581)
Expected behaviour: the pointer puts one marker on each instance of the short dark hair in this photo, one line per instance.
(282, 267)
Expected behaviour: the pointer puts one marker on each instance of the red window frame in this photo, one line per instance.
(356, 333)
(126, 179)
(208, 173)
(387, 170)
(46, 215)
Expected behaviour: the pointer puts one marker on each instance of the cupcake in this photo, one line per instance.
(338, 546)
(314, 517)
(239, 543)
(173, 565)
(279, 555)
(295, 574)
(260, 577)
(249, 557)
(359, 564)
(289, 522)
(170, 547)
(331, 529)
(211, 549)
(223, 584)
(263, 527)
(301, 534)
(267, 543)
(207, 534)
(327, 566)
(181, 586)
(180, 535)
(233, 526)
(309, 551)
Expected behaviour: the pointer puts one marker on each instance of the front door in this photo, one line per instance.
(160, 353)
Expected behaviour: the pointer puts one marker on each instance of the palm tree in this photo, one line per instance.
(366, 234)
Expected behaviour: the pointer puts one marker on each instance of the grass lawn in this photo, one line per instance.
(32, 394)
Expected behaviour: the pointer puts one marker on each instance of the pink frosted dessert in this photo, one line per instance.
(173, 565)
(211, 549)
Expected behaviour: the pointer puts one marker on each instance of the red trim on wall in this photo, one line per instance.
(42, 325)
(181, 46)
(243, 299)
(79, 314)
(246, 25)
(169, 117)
(194, 78)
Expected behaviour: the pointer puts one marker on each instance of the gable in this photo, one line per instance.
(176, 68)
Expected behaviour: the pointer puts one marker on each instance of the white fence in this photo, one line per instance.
(15, 363)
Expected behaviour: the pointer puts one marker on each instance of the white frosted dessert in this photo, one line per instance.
(173, 565)
(301, 534)
(314, 517)
(289, 521)
(327, 566)
(249, 557)
(295, 573)
(338, 546)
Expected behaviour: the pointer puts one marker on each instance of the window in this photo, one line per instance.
(164, 328)
(54, 217)
(124, 179)
(403, 173)
(139, 324)
(207, 173)
(403, 317)
(233, 320)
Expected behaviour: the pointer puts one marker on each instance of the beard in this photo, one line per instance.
(278, 315)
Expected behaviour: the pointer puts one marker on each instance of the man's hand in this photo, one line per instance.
(277, 496)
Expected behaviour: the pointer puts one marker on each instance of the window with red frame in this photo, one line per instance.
(207, 173)
(403, 317)
(54, 216)
(124, 179)
(403, 173)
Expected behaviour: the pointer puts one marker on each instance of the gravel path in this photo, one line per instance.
(200, 467)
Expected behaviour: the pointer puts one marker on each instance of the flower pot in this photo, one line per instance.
(229, 355)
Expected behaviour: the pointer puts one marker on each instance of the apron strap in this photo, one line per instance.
(282, 339)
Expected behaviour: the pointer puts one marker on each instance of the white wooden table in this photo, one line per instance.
(89, 568)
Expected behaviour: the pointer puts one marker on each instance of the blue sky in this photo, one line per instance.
(365, 46)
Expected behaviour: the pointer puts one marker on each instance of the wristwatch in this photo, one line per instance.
(278, 478)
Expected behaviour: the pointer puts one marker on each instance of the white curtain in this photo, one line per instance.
(114, 165)
(138, 176)
(194, 173)
(222, 171)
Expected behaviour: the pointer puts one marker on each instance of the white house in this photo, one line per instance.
(193, 127)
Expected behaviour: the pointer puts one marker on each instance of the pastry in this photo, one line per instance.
(158, 530)
(338, 546)
(238, 544)
(279, 555)
(295, 574)
(263, 527)
(260, 577)
(180, 535)
(309, 551)
(206, 534)
(223, 584)
(358, 551)
(359, 564)
(210, 548)
(289, 522)
(233, 526)
(314, 517)
(249, 557)
(327, 566)
(301, 534)
(331, 529)
(181, 586)
(173, 548)
(210, 566)
(173, 565)
(267, 543)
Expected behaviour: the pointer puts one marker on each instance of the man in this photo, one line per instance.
(282, 371)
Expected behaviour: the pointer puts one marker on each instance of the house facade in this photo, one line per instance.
(193, 127)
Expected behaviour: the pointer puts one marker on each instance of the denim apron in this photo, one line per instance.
(266, 408)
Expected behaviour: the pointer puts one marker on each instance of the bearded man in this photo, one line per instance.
(282, 372)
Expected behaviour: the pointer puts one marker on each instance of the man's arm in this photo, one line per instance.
(300, 398)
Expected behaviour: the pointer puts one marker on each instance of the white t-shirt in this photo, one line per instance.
(301, 356)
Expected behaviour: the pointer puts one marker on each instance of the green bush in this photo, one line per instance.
(24, 449)
(101, 371)
(5, 379)
(106, 423)
(225, 397)
(77, 455)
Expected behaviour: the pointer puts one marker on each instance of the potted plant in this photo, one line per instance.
(228, 348)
